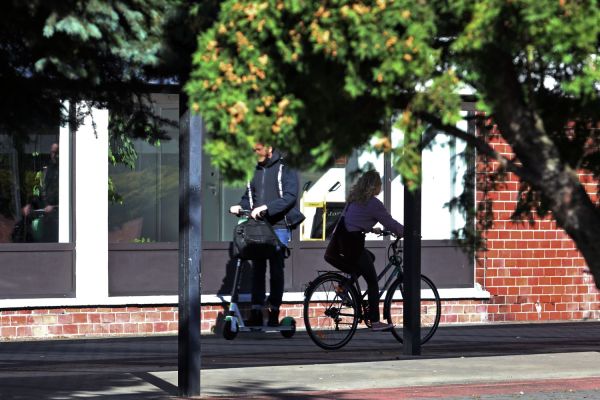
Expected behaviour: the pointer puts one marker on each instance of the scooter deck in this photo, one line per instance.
(265, 328)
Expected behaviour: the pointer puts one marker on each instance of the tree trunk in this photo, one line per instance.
(557, 182)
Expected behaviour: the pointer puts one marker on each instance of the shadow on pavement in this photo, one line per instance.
(120, 368)
(77, 385)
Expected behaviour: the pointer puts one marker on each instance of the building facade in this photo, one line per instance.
(104, 259)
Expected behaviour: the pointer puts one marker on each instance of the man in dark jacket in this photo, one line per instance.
(271, 194)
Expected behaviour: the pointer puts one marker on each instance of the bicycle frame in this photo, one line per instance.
(394, 261)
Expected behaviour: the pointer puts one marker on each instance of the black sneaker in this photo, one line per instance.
(273, 317)
(256, 318)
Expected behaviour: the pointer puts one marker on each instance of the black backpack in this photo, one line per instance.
(255, 239)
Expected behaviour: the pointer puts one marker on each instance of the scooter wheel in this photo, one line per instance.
(228, 333)
(288, 321)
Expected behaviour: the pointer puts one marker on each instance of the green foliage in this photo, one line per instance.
(143, 240)
(315, 79)
(93, 50)
(318, 79)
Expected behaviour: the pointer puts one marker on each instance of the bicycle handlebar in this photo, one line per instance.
(396, 241)
(390, 233)
(247, 213)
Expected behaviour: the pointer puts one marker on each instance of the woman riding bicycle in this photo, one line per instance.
(363, 211)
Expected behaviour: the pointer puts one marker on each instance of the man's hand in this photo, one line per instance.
(257, 211)
(235, 209)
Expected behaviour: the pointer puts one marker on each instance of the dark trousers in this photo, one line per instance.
(367, 271)
(276, 266)
(259, 272)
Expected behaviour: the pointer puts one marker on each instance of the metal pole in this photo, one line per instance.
(412, 272)
(190, 162)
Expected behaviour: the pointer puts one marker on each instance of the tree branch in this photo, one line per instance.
(481, 146)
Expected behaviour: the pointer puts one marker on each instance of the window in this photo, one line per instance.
(442, 180)
(145, 205)
(35, 186)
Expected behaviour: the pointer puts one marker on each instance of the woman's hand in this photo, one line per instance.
(377, 231)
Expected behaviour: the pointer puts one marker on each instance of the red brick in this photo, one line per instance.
(168, 316)
(94, 318)
(65, 319)
(130, 328)
(70, 329)
(56, 330)
(24, 331)
(19, 320)
(80, 318)
(107, 317)
(146, 327)
(152, 316)
(122, 317)
(100, 329)
(116, 328)
(160, 327)
(85, 329)
(137, 317)
(8, 331)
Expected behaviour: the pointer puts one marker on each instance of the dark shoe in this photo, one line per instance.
(380, 326)
(273, 318)
(256, 318)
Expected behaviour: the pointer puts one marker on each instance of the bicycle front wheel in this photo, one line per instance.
(431, 309)
(331, 311)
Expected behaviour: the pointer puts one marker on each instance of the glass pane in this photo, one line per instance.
(148, 206)
(29, 188)
(323, 194)
(443, 173)
(322, 199)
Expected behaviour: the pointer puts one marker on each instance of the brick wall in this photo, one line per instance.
(107, 321)
(78, 322)
(533, 273)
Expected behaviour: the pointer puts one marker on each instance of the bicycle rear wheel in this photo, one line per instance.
(331, 311)
(431, 309)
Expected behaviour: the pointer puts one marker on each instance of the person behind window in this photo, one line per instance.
(46, 203)
(364, 210)
(273, 191)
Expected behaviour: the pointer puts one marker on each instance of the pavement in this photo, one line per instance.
(493, 362)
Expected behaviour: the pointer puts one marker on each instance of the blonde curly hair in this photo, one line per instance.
(366, 187)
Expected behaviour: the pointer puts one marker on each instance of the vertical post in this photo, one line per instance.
(412, 272)
(190, 162)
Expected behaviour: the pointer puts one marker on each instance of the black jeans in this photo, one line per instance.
(367, 271)
(276, 266)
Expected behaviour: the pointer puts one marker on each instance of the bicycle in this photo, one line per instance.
(334, 304)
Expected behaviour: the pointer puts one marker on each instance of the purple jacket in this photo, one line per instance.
(362, 217)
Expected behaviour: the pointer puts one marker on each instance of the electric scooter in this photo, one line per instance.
(234, 322)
